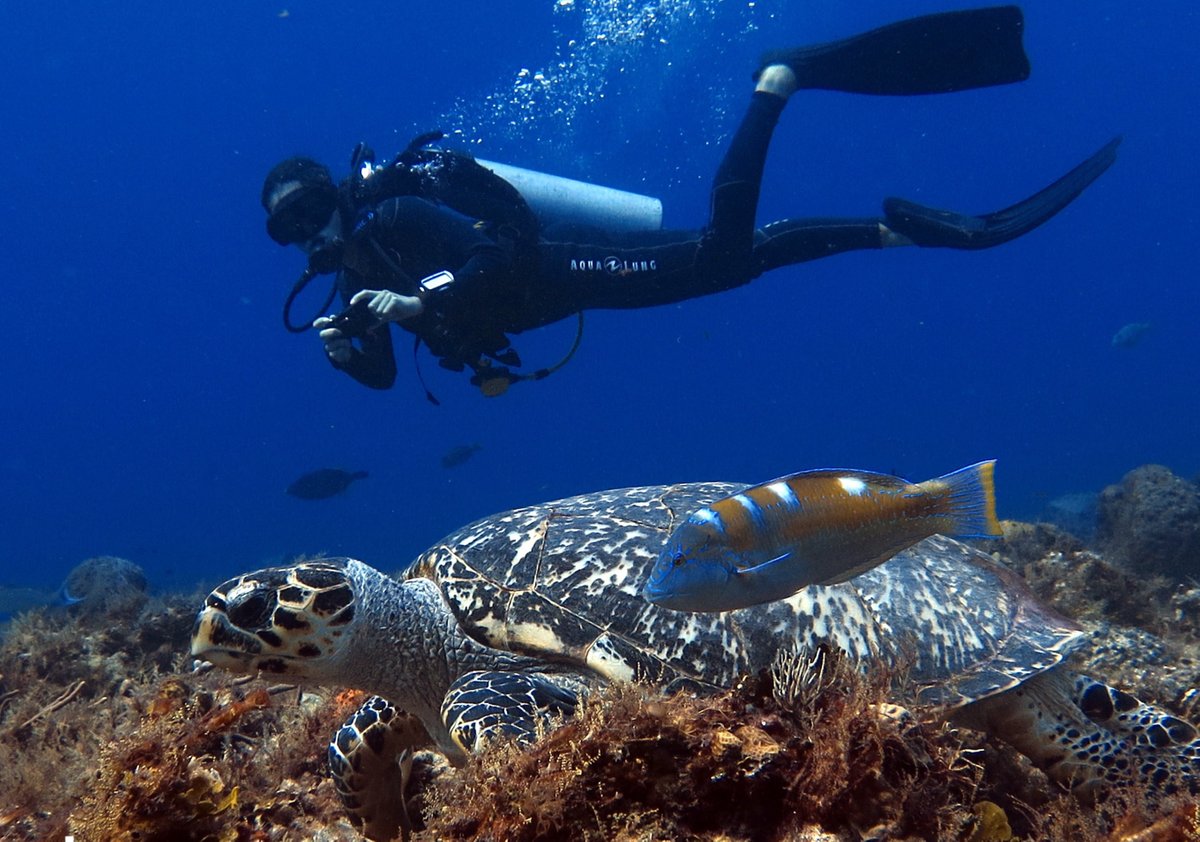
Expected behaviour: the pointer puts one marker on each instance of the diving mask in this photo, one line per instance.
(301, 214)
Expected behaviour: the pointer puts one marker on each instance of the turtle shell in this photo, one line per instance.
(562, 581)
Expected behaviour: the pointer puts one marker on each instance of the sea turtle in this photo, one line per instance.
(516, 615)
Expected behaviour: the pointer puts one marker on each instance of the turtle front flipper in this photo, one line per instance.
(370, 761)
(1086, 735)
(483, 705)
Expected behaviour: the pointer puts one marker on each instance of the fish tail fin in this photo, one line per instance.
(970, 494)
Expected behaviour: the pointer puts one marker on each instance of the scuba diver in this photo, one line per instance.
(455, 255)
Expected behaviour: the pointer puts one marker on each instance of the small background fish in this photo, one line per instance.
(457, 455)
(326, 482)
(812, 528)
(1130, 335)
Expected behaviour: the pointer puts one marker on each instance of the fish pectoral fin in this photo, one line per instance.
(858, 569)
(766, 566)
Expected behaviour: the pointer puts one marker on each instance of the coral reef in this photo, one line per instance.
(106, 587)
(1081, 584)
(106, 733)
(1150, 522)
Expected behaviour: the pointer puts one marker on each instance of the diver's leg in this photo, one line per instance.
(791, 241)
(906, 223)
(729, 236)
(646, 269)
(930, 227)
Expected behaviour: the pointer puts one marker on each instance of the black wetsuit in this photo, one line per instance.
(504, 288)
(505, 285)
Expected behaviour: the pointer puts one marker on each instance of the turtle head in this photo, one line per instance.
(293, 620)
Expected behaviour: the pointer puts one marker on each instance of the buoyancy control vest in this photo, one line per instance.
(451, 178)
(455, 180)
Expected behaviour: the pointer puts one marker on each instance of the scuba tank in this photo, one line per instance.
(555, 199)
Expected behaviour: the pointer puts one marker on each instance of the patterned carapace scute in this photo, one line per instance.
(562, 582)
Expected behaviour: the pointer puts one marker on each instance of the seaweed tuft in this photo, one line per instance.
(739, 765)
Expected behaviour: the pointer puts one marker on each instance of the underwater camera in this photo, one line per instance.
(355, 320)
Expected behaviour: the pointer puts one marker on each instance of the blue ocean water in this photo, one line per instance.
(156, 409)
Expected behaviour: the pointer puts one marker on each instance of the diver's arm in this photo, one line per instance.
(485, 259)
(444, 239)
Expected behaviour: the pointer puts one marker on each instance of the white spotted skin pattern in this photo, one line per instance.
(562, 581)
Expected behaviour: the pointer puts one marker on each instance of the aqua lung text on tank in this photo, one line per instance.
(613, 266)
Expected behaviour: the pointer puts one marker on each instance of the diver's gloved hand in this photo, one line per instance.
(337, 346)
(388, 306)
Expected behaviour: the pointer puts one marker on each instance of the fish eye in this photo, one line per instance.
(677, 559)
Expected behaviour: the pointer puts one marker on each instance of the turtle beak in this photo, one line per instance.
(214, 639)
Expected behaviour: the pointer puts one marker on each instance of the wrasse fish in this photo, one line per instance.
(1130, 335)
(455, 456)
(812, 528)
(326, 482)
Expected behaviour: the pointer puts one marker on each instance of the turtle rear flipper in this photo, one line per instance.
(483, 705)
(1086, 735)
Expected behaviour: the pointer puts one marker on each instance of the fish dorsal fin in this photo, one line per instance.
(873, 477)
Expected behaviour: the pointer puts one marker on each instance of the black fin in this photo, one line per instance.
(933, 227)
(933, 54)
